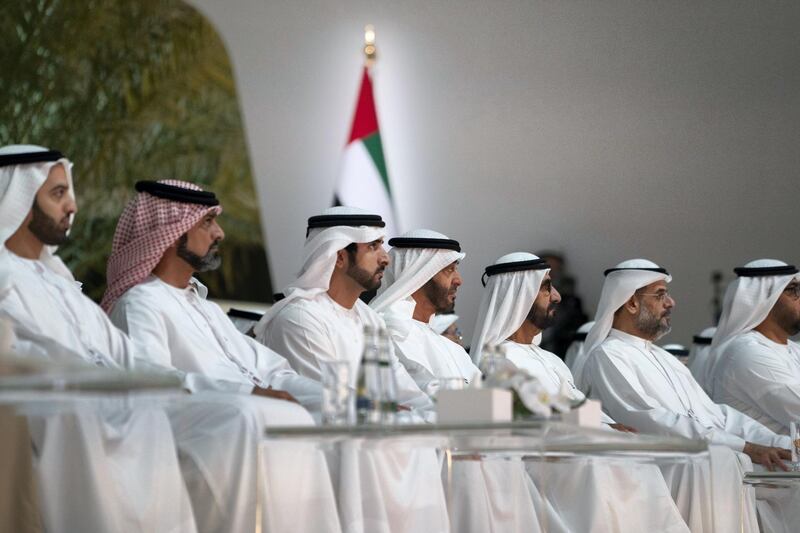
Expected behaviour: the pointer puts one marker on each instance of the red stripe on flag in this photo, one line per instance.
(365, 121)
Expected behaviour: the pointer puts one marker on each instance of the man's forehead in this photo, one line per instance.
(56, 176)
(454, 264)
(656, 285)
(210, 215)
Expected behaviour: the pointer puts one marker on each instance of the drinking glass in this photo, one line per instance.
(337, 396)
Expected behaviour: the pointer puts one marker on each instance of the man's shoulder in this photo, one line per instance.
(513, 349)
(611, 345)
(148, 293)
(11, 274)
(612, 350)
(299, 312)
(748, 349)
(748, 338)
(26, 275)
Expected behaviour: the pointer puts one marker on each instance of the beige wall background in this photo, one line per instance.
(608, 130)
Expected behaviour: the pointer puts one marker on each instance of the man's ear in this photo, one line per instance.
(174, 246)
(341, 261)
(632, 305)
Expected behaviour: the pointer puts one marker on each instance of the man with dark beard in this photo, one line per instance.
(522, 302)
(321, 317)
(525, 354)
(422, 280)
(168, 232)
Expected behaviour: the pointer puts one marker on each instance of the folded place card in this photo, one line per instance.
(474, 405)
(587, 415)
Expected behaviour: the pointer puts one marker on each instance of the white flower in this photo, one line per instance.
(534, 397)
(561, 401)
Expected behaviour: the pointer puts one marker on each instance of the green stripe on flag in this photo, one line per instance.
(373, 145)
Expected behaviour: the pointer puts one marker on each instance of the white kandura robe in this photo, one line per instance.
(310, 330)
(427, 355)
(644, 386)
(485, 494)
(761, 378)
(112, 468)
(545, 366)
(613, 495)
(179, 328)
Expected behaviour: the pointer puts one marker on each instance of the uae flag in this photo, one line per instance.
(363, 181)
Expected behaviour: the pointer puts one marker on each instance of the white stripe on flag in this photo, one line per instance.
(360, 185)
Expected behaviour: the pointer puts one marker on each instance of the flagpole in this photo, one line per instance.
(370, 51)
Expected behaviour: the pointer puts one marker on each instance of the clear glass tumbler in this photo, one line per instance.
(337, 396)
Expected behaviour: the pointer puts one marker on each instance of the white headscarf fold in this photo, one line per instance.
(618, 287)
(576, 347)
(408, 270)
(440, 323)
(507, 299)
(18, 187)
(748, 300)
(698, 355)
(319, 259)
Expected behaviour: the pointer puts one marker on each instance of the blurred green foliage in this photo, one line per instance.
(131, 90)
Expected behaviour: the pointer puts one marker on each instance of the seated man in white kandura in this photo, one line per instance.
(167, 232)
(642, 385)
(322, 319)
(589, 493)
(422, 279)
(756, 366)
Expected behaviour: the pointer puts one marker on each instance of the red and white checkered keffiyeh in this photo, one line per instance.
(148, 226)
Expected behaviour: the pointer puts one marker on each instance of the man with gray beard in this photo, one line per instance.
(642, 385)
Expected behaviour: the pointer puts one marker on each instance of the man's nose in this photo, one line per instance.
(71, 206)
(218, 233)
(555, 296)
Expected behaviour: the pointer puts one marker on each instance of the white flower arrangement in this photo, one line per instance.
(530, 396)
